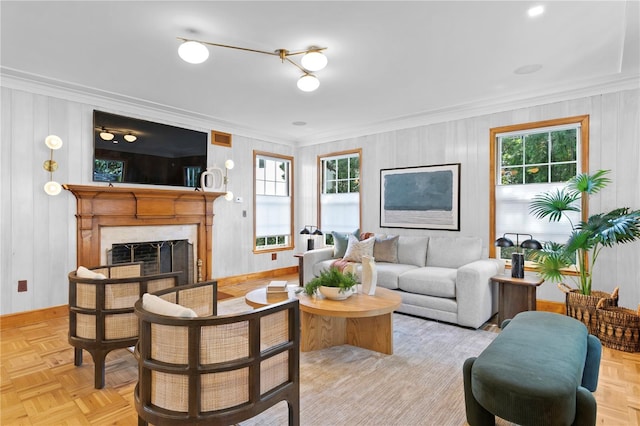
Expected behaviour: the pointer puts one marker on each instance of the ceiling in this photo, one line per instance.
(391, 64)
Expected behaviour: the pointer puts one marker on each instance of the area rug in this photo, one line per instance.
(420, 384)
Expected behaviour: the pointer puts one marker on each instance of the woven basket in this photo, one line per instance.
(619, 328)
(583, 307)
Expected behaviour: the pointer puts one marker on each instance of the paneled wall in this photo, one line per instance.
(614, 144)
(37, 232)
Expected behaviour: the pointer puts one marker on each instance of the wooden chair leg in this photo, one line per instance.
(98, 360)
(77, 357)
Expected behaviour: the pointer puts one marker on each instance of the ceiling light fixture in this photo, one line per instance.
(313, 59)
(106, 135)
(129, 137)
(535, 11)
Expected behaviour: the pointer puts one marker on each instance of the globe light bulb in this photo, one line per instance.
(229, 164)
(52, 187)
(228, 196)
(314, 61)
(53, 142)
(193, 52)
(308, 83)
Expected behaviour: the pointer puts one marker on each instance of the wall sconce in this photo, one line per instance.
(213, 179)
(517, 258)
(311, 231)
(52, 187)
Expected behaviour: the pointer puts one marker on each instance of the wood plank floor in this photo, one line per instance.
(41, 386)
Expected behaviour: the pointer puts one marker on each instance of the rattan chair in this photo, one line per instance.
(216, 370)
(101, 316)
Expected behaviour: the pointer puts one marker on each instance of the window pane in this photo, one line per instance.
(563, 145)
(563, 172)
(330, 169)
(343, 187)
(281, 189)
(354, 171)
(511, 154)
(536, 148)
(537, 174)
(343, 168)
(354, 186)
(331, 187)
(511, 175)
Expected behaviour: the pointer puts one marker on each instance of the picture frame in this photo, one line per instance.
(424, 197)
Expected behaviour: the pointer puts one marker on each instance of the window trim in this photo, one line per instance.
(291, 244)
(582, 120)
(347, 153)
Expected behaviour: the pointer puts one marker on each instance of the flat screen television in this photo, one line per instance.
(129, 150)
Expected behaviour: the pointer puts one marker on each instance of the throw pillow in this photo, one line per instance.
(356, 249)
(160, 306)
(340, 242)
(386, 249)
(83, 272)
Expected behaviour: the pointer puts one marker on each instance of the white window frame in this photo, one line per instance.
(272, 205)
(345, 202)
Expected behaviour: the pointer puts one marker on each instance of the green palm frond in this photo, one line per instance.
(553, 204)
(551, 260)
(590, 184)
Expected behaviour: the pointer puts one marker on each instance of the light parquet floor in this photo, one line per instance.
(40, 385)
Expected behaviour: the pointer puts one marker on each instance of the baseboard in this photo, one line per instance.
(236, 279)
(550, 306)
(21, 319)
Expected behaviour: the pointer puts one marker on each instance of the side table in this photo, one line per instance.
(300, 257)
(516, 294)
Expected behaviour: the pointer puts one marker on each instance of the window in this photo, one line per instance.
(273, 216)
(527, 160)
(339, 192)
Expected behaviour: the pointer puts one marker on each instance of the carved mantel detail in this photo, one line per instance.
(101, 206)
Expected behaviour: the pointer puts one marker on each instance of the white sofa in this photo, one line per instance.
(441, 278)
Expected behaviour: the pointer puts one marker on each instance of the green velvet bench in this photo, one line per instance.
(540, 370)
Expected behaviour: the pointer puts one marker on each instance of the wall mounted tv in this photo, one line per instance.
(145, 152)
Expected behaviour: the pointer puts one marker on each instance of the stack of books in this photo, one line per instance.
(277, 290)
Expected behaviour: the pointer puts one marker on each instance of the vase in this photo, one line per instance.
(334, 293)
(212, 179)
(369, 275)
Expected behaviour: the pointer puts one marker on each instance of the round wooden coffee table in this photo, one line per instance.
(361, 320)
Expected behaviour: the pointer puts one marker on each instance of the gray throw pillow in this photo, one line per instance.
(341, 241)
(386, 249)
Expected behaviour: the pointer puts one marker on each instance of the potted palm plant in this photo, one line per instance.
(555, 261)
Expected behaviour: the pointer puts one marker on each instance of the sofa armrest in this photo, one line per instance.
(310, 258)
(474, 291)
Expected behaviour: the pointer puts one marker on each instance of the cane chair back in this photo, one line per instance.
(216, 370)
(101, 316)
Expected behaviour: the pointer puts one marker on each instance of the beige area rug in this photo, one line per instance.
(420, 384)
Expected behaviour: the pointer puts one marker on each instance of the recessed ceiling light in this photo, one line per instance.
(528, 69)
(535, 11)
(299, 123)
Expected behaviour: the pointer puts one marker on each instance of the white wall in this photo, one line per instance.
(614, 144)
(37, 232)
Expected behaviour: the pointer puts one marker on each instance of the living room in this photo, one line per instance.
(39, 235)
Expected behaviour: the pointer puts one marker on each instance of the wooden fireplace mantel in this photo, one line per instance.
(102, 206)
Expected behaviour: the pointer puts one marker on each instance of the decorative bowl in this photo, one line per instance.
(334, 293)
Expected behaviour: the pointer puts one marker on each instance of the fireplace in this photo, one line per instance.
(115, 215)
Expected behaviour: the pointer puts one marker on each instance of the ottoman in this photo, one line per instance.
(540, 370)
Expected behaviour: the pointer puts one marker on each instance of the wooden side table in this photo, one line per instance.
(516, 294)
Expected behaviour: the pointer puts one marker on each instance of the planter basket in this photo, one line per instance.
(619, 328)
(583, 307)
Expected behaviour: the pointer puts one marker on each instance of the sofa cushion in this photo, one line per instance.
(83, 272)
(412, 250)
(340, 242)
(430, 281)
(356, 249)
(388, 273)
(386, 249)
(453, 252)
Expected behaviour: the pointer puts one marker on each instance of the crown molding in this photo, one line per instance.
(558, 93)
(34, 83)
(19, 80)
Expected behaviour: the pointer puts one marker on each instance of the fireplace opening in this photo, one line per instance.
(157, 257)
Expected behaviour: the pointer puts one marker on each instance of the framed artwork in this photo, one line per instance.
(426, 197)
